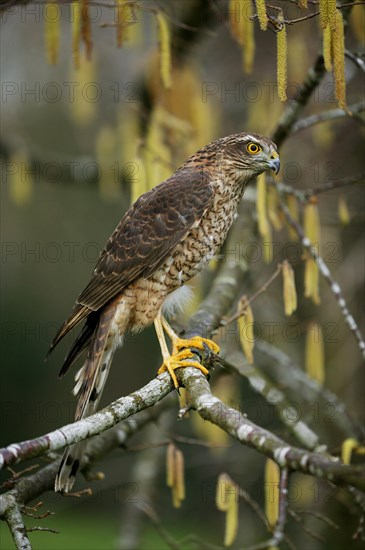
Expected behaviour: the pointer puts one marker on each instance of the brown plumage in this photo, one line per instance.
(163, 240)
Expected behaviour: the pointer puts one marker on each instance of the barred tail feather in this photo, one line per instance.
(69, 466)
(81, 344)
(79, 313)
(90, 381)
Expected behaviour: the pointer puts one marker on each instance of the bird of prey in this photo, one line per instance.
(165, 238)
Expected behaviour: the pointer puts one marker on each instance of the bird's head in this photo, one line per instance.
(248, 155)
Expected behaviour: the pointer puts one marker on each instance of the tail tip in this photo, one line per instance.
(66, 474)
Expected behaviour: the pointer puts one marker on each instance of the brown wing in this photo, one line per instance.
(144, 239)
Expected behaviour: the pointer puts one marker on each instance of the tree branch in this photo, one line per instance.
(108, 417)
(246, 432)
(234, 360)
(296, 384)
(327, 275)
(332, 114)
(304, 194)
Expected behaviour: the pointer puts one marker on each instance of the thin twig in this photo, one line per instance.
(306, 529)
(248, 301)
(332, 114)
(359, 62)
(278, 534)
(304, 194)
(319, 516)
(47, 529)
(334, 286)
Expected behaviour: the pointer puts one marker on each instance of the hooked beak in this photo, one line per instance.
(274, 162)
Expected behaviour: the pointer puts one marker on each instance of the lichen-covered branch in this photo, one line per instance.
(121, 409)
(246, 432)
(309, 396)
(29, 488)
(16, 525)
(234, 360)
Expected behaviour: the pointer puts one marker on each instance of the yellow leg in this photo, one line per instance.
(164, 350)
(181, 353)
(194, 342)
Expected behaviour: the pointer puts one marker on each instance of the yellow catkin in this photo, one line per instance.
(170, 465)
(261, 207)
(298, 48)
(246, 333)
(86, 28)
(120, 22)
(137, 178)
(357, 23)
(157, 155)
(314, 353)
(331, 13)
(327, 48)
(106, 155)
(262, 218)
(347, 448)
(165, 49)
(135, 27)
(261, 14)
(236, 12)
(323, 135)
(128, 135)
(76, 32)
(227, 500)
(180, 475)
(312, 231)
(303, 4)
(292, 202)
(20, 179)
(226, 389)
(343, 211)
(311, 281)
(204, 118)
(242, 29)
(249, 37)
(311, 222)
(83, 106)
(273, 208)
(52, 31)
(272, 479)
(232, 519)
(175, 478)
(282, 57)
(323, 13)
(125, 23)
(338, 56)
(220, 493)
(289, 290)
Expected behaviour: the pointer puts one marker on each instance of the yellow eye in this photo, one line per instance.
(253, 148)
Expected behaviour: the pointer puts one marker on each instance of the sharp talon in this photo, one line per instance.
(206, 348)
(181, 359)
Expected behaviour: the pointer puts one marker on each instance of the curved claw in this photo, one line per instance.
(180, 360)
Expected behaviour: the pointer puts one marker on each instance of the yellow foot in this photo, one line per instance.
(194, 342)
(183, 358)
